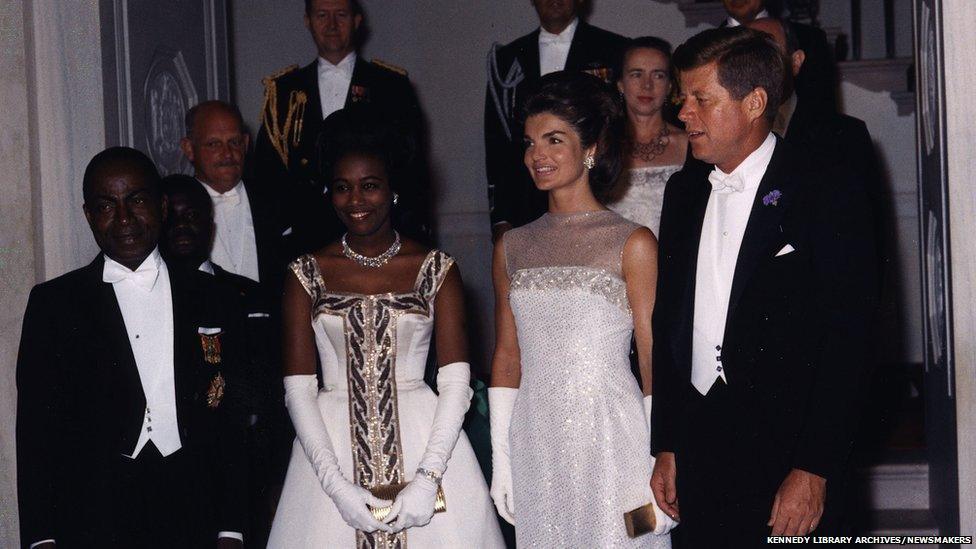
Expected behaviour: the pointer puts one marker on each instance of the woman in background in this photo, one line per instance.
(653, 148)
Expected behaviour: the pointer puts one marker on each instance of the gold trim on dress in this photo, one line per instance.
(369, 326)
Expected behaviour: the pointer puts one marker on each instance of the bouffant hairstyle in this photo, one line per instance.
(593, 110)
(746, 58)
(361, 131)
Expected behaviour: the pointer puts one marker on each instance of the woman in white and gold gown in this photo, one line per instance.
(366, 307)
(569, 423)
(653, 148)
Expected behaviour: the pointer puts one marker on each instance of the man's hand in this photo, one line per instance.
(663, 484)
(229, 543)
(798, 505)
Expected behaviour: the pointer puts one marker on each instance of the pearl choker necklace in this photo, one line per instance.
(373, 262)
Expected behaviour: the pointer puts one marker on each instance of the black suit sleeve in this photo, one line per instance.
(37, 420)
(844, 262)
(664, 382)
(498, 154)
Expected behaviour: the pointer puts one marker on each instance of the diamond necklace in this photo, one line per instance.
(373, 262)
(652, 149)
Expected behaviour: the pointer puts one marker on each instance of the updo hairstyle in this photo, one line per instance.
(593, 110)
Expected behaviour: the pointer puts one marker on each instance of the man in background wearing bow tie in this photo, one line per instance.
(128, 429)
(562, 42)
(766, 290)
(298, 100)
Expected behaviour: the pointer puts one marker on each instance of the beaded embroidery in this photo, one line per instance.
(596, 281)
(369, 325)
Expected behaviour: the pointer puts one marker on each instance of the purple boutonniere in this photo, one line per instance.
(772, 198)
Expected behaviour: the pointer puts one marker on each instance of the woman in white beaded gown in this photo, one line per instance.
(367, 306)
(569, 424)
(653, 148)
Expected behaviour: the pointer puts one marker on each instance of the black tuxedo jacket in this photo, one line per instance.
(81, 405)
(373, 85)
(512, 195)
(270, 218)
(796, 337)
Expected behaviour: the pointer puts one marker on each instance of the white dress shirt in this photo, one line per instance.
(234, 248)
(726, 217)
(334, 82)
(554, 48)
(146, 302)
(733, 22)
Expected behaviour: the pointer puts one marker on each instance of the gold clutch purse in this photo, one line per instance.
(640, 521)
(390, 491)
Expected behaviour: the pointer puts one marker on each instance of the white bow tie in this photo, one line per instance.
(144, 277)
(230, 198)
(733, 182)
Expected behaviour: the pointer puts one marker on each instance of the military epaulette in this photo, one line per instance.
(274, 76)
(383, 64)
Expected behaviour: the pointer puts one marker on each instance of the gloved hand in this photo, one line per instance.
(353, 503)
(501, 401)
(414, 505)
(662, 523)
(301, 392)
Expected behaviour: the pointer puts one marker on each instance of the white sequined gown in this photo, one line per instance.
(579, 444)
(639, 194)
(374, 347)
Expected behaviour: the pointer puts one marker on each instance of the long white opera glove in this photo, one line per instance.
(663, 523)
(414, 505)
(301, 392)
(501, 401)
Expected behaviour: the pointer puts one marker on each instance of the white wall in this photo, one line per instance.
(443, 45)
(959, 18)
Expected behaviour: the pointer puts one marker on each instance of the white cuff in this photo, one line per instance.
(36, 543)
(453, 399)
(231, 535)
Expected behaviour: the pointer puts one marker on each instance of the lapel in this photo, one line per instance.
(802, 121)
(111, 325)
(697, 200)
(313, 106)
(578, 47)
(263, 226)
(763, 228)
(184, 339)
(528, 57)
(359, 84)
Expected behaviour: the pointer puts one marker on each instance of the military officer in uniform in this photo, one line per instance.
(297, 101)
(563, 42)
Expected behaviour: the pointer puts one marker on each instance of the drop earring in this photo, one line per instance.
(396, 198)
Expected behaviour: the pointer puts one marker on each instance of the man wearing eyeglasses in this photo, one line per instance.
(249, 230)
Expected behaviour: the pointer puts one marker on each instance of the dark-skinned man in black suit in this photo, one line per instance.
(187, 239)
(128, 419)
(298, 100)
(765, 297)
(562, 42)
